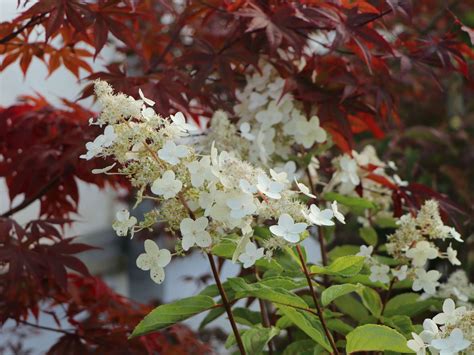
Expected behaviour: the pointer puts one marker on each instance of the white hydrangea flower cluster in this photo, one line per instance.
(448, 333)
(353, 170)
(458, 286)
(271, 120)
(202, 196)
(413, 243)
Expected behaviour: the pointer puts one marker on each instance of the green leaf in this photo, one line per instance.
(273, 294)
(246, 317)
(225, 248)
(211, 316)
(369, 235)
(371, 300)
(343, 250)
(303, 347)
(357, 203)
(407, 304)
(401, 323)
(256, 338)
(333, 292)
(339, 326)
(352, 307)
(288, 283)
(372, 337)
(308, 323)
(362, 279)
(171, 313)
(345, 266)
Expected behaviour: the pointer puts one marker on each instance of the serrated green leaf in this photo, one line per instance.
(255, 339)
(246, 316)
(352, 307)
(372, 337)
(225, 248)
(408, 304)
(308, 323)
(369, 235)
(273, 294)
(171, 313)
(345, 266)
(343, 250)
(303, 347)
(371, 300)
(335, 291)
(339, 326)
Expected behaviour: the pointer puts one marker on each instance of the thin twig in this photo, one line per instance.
(32, 22)
(316, 302)
(36, 196)
(227, 306)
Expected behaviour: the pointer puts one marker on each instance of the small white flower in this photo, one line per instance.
(109, 136)
(430, 331)
(241, 205)
(318, 217)
(145, 100)
(172, 153)
(179, 121)
(95, 147)
(453, 344)
(348, 171)
(194, 233)
(304, 189)
(246, 187)
(379, 273)
(123, 222)
(453, 256)
(428, 281)
(421, 253)
(459, 295)
(366, 251)
(281, 176)
(339, 216)
(245, 131)
(148, 113)
(167, 186)
(400, 274)
(288, 229)
(200, 171)
(251, 255)
(450, 313)
(417, 344)
(154, 260)
(269, 187)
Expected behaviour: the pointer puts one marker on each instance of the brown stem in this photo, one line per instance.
(227, 306)
(387, 295)
(33, 198)
(316, 302)
(264, 315)
(32, 22)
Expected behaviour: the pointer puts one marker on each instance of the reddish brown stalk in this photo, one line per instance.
(316, 302)
(226, 303)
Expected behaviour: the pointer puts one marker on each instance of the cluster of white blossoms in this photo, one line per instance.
(271, 120)
(353, 170)
(202, 197)
(448, 333)
(414, 244)
(458, 287)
